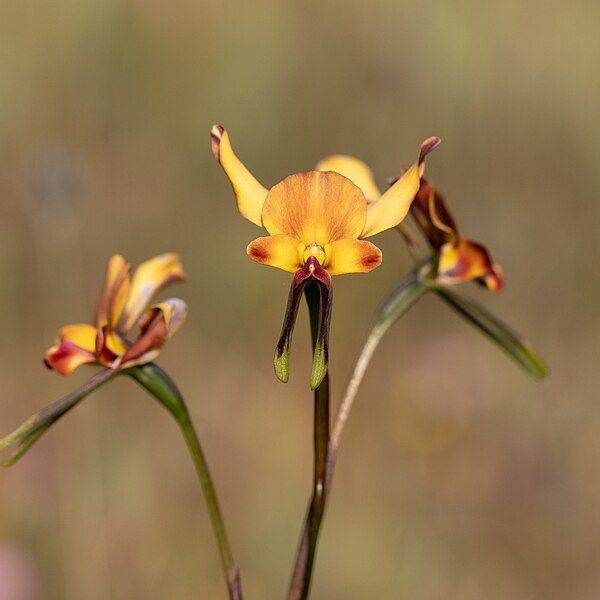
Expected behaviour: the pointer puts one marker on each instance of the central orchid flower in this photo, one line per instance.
(124, 302)
(317, 224)
(320, 214)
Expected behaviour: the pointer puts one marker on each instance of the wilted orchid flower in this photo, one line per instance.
(317, 224)
(458, 260)
(124, 303)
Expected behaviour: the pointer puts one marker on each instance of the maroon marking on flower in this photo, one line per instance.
(216, 133)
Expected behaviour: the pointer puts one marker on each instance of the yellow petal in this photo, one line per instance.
(392, 207)
(465, 261)
(355, 170)
(114, 292)
(281, 251)
(250, 194)
(76, 346)
(315, 207)
(149, 278)
(351, 256)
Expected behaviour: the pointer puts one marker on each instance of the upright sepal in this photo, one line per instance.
(512, 343)
(313, 274)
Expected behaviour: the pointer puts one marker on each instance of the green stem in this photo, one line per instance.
(396, 304)
(305, 556)
(162, 387)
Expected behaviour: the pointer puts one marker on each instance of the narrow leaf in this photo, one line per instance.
(400, 300)
(509, 341)
(31, 430)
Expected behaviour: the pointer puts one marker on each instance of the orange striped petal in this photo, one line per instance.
(351, 256)
(76, 346)
(114, 292)
(149, 278)
(315, 208)
(281, 251)
(355, 170)
(467, 261)
(159, 324)
(249, 193)
(392, 207)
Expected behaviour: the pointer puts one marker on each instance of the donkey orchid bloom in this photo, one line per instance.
(321, 213)
(124, 302)
(459, 260)
(317, 224)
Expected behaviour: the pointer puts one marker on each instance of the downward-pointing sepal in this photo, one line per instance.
(314, 275)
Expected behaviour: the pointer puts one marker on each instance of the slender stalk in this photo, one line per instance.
(160, 385)
(232, 572)
(396, 304)
(32, 429)
(305, 556)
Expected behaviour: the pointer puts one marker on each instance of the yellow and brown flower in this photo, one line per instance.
(317, 223)
(322, 213)
(459, 259)
(124, 302)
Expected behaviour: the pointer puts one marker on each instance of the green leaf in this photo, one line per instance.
(32, 430)
(509, 341)
(154, 380)
(400, 300)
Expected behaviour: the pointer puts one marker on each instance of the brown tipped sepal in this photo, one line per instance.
(216, 133)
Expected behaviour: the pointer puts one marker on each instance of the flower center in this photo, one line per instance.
(316, 251)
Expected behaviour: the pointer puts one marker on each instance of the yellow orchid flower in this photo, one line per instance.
(317, 224)
(459, 260)
(321, 213)
(124, 302)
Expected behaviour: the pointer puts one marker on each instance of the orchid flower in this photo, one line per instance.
(317, 222)
(124, 302)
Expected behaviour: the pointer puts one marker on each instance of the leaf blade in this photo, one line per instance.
(501, 334)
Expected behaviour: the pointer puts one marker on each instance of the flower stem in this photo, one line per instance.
(395, 305)
(162, 387)
(305, 556)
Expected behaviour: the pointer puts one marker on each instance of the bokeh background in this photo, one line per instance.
(459, 477)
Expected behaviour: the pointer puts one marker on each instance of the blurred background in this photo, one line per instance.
(458, 477)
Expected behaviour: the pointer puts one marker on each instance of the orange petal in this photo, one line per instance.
(114, 292)
(315, 207)
(159, 324)
(392, 207)
(76, 346)
(466, 261)
(351, 256)
(249, 193)
(281, 251)
(149, 278)
(355, 170)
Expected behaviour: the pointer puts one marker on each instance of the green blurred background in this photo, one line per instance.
(458, 478)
